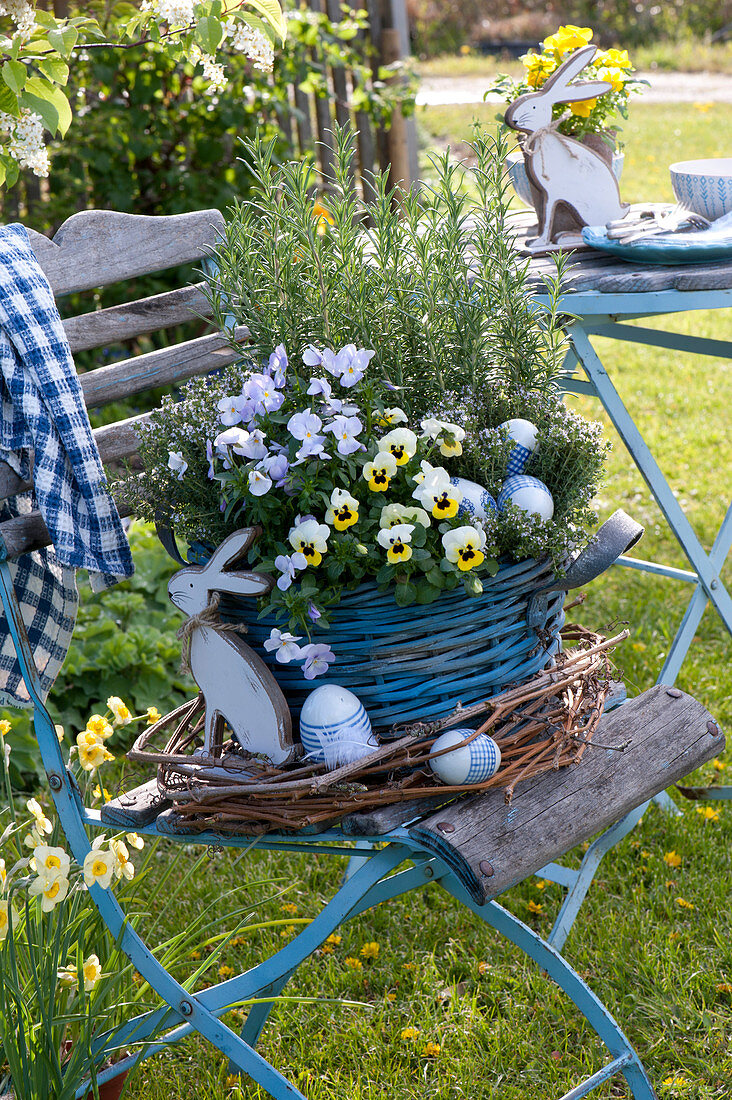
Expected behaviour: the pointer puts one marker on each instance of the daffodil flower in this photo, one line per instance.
(153, 716)
(51, 892)
(310, 538)
(123, 868)
(92, 753)
(401, 442)
(438, 494)
(380, 472)
(41, 823)
(50, 863)
(395, 540)
(67, 976)
(343, 511)
(120, 711)
(92, 972)
(464, 547)
(99, 726)
(4, 919)
(99, 865)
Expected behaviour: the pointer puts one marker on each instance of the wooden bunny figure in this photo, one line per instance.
(565, 173)
(236, 684)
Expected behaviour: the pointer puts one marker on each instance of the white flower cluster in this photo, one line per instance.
(25, 141)
(252, 42)
(176, 13)
(21, 12)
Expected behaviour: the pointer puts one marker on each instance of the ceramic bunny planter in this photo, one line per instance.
(237, 686)
(570, 179)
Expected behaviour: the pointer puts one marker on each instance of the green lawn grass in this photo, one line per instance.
(654, 940)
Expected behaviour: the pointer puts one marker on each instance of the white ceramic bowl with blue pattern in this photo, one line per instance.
(704, 186)
(334, 727)
(473, 762)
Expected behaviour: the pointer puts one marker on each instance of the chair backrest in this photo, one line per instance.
(98, 248)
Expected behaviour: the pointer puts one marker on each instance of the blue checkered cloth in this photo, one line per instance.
(43, 412)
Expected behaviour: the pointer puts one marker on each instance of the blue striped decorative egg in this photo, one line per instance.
(523, 433)
(471, 763)
(527, 493)
(334, 727)
(477, 502)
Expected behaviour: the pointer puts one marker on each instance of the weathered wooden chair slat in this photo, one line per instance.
(474, 848)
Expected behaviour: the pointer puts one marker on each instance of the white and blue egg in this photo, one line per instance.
(523, 433)
(473, 762)
(334, 727)
(525, 492)
(477, 502)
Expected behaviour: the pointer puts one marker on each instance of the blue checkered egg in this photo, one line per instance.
(477, 502)
(334, 727)
(473, 762)
(523, 433)
(527, 493)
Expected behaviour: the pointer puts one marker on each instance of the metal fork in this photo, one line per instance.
(677, 220)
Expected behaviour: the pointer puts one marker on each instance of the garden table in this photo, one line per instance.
(600, 296)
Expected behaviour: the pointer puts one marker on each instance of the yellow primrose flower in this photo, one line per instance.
(566, 39)
(153, 716)
(67, 976)
(615, 77)
(401, 513)
(369, 950)
(612, 57)
(41, 824)
(343, 511)
(92, 972)
(4, 919)
(135, 841)
(52, 893)
(464, 547)
(5, 727)
(92, 753)
(120, 710)
(99, 867)
(50, 863)
(395, 540)
(584, 108)
(311, 539)
(380, 472)
(389, 417)
(410, 1033)
(122, 865)
(673, 859)
(401, 442)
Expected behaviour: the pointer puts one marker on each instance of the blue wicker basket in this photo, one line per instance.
(424, 658)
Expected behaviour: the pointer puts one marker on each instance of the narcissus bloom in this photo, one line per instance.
(120, 710)
(92, 972)
(51, 893)
(99, 865)
(50, 863)
(99, 726)
(92, 753)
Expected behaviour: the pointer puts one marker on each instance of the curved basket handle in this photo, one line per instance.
(165, 533)
(615, 537)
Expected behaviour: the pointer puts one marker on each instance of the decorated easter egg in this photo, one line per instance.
(523, 433)
(334, 727)
(477, 502)
(527, 493)
(468, 763)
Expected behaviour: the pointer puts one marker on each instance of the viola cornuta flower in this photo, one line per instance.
(395, 540)
(343, 511)
(464, 547)
(380, 472)
(438, 494)
(401, 443)
(310, 538)
(284, 646)
(177, 464)
(317, 659)
(288, 566)
(346, 429)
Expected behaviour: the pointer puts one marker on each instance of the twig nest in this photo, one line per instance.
(477, 502)
(523, 433)
(334, 727)
(527, 493)
(473, 762)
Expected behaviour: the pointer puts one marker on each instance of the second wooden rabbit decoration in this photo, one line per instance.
(568, 176)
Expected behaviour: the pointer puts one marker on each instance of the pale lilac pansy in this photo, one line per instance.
(288, 564)
(317, 659)
(284, 645)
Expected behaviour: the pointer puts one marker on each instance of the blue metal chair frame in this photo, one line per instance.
(372, 882)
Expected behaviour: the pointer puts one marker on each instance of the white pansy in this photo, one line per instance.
(284, 645)
(259, 483)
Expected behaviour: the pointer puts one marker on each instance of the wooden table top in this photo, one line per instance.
(592, 270)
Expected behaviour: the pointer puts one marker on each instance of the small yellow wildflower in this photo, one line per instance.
(335, 939)
(718, 765)
(724, 987)
(536, 907)
(409, 966)
(153, 716)
(5, 727)
(92, 972)
(353, 964)
(195, 954)
(677, 1081)
(369, 950)
(289, 907)
(671, 884)
(673, 935)
(238, 941)
(708, 813)
(672, 858)
(101, 792)
(326, 949)
(431, 1050)
(703, 107)
(483, 967)
(99, 726)
(390, 997)
(645, 854)
(684, 904)
(120, 710)
(288, 930)
(410, 1033)
(540, 884)
(226, 971)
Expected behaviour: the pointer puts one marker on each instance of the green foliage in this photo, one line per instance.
(124, 644)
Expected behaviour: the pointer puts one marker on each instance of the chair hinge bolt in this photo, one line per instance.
(54, 781)
(185, 1008)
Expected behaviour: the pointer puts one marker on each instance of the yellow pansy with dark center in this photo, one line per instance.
(469, 557)
(398, 551)
(314, 556)
(379, 481)
(445, 506)
(344, 517)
